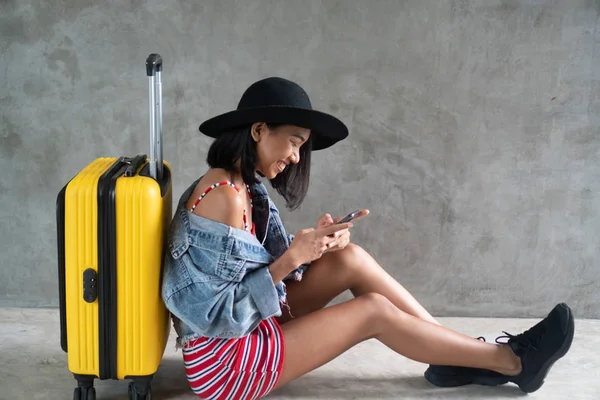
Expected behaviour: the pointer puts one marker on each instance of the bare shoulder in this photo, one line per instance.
(222, 204)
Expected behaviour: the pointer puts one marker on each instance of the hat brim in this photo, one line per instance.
(326, 130)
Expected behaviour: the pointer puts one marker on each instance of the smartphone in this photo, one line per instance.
(349, 217)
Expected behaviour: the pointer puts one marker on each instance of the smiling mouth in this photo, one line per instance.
(281, 166)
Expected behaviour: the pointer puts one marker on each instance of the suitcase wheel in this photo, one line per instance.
(84, 393)
(135, 395)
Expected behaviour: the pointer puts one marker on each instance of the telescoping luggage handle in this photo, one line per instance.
(154, 71)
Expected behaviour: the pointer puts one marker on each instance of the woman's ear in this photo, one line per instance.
(257, 130)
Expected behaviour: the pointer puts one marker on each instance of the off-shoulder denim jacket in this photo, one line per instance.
(216, 280)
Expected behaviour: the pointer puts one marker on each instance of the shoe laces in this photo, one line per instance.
(530, 339)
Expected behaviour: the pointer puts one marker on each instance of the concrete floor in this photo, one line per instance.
(33, 366)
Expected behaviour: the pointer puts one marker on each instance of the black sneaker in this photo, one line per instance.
(541, 346)
(451, 376)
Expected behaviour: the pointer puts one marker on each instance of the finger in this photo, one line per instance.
(304, 231)
(338, 234)
(324, 217)
(327, 240)
(362, 213)
(341, 241)
(339, 246)
(332, 229)
(336, 246)
(324, 220)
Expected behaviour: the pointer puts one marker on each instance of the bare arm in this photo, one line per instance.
(283, 266)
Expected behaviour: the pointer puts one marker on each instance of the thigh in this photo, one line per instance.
(321, 283)
(351, 268)
(315, 339)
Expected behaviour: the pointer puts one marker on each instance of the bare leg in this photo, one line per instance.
(317, 338)
(354, 269)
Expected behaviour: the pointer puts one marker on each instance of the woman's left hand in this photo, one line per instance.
(343, 237)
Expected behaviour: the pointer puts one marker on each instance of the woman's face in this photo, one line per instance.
(278, 147)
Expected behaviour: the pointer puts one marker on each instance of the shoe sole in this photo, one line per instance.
(455, 381)
(538, 380)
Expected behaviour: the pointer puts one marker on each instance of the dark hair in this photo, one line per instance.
(238, 144)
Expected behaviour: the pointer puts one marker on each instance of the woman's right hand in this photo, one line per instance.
(310, 244)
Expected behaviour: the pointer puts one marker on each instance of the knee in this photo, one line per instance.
(375, 300)
(352, 251)
(350, 256)
(380, 310)
(347, 265)
(378, 305)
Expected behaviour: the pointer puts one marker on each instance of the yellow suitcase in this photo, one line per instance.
(112, 219)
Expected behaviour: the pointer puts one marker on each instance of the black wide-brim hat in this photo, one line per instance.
(279, 101)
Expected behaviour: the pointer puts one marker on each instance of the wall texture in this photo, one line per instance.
(474, 129)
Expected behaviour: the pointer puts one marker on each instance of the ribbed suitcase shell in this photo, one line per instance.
(142, 216)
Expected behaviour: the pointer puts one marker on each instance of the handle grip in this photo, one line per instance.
(154, 67)
(153, 64)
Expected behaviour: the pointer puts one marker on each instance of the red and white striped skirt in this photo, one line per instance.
(247, 368)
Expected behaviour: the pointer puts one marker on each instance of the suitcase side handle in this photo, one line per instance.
(133, 164)
(154, 67)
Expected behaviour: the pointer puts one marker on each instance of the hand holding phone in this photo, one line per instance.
(347, 219)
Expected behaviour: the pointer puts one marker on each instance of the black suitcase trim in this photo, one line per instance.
(62, 295)
(107, 270)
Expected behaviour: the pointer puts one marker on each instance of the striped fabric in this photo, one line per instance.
(247, 368)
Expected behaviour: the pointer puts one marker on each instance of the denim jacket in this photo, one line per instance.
(216, 280)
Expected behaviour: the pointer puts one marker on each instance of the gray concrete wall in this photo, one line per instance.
(474, 129)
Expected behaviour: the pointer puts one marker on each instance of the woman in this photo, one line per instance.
(248, 301)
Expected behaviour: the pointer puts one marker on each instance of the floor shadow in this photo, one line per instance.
(311, 386)
(170, 382)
